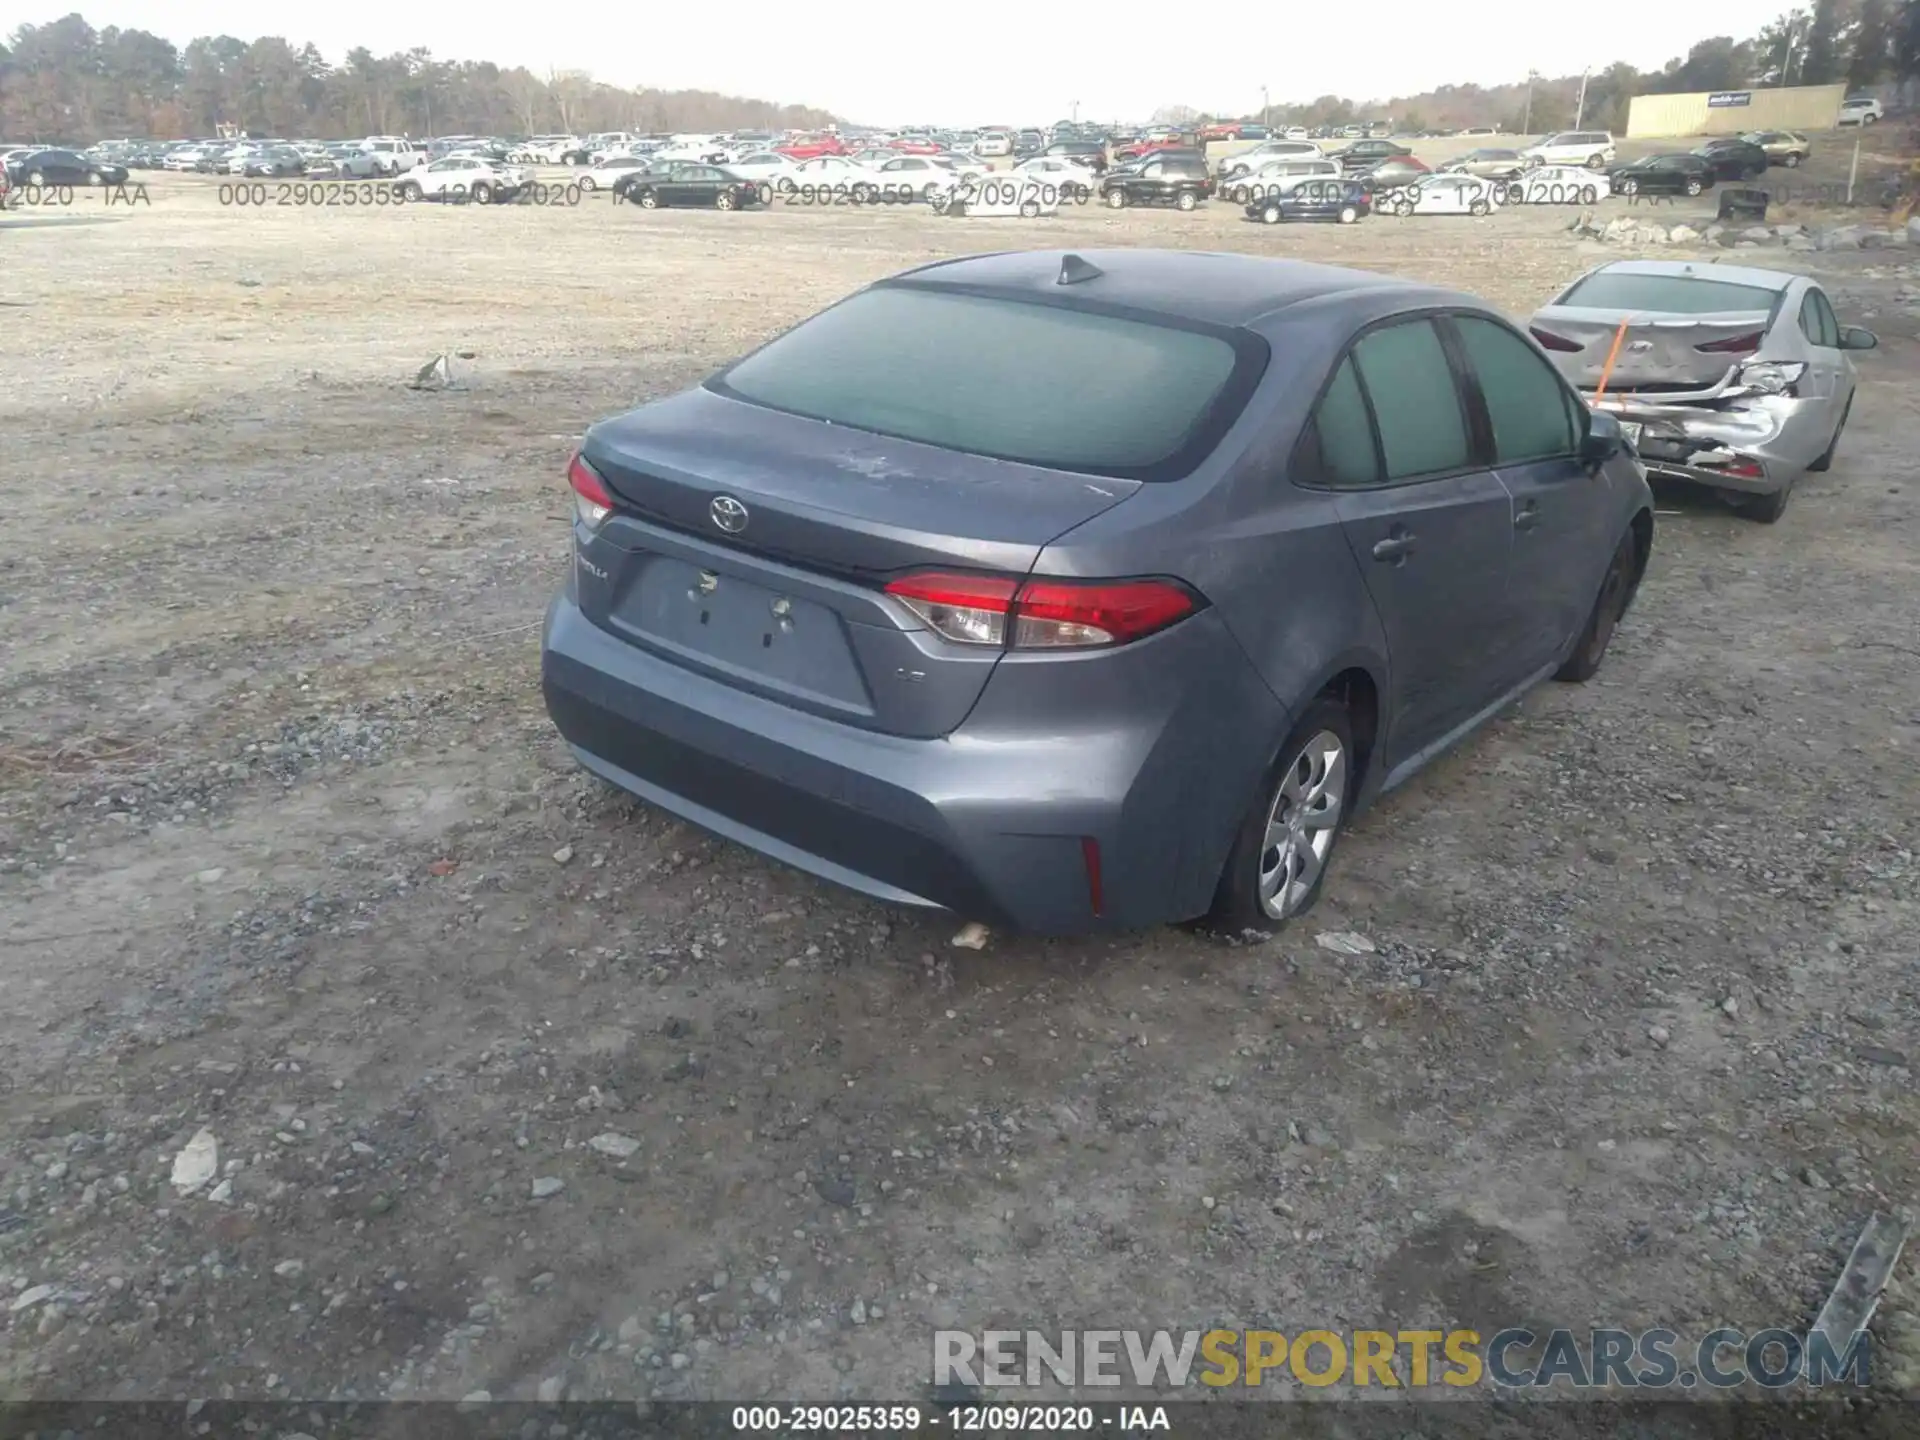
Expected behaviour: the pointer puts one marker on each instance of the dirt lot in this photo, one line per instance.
(288, 851)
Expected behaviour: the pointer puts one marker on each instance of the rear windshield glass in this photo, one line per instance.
(1673, 294)
(1039, 384)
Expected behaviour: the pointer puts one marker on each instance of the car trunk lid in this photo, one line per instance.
(1656, 353)
(787, 602)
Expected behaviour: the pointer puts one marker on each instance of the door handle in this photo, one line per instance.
(1528, 517)
(1395, 548)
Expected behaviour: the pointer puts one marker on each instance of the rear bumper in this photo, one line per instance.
(989, 822)
(1709, 445)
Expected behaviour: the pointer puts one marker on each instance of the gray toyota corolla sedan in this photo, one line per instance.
(1078, 590)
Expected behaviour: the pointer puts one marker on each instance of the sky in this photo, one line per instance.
(883, 62)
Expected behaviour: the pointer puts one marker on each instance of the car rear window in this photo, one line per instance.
(1670, 294)
(1040, 384)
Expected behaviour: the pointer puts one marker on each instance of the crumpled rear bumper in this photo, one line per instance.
(1752, 443)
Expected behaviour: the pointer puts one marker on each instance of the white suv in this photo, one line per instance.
(1860, 110)
(1591, 148)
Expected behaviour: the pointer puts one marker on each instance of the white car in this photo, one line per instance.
(1591, 148)
(996, 195)
(542, 149)
(1276, 176)
(392, 154)
(1248, 161)
(1446, 195)
(1558, 185)
(1073, 181)
(994, 142)
(602, 175)
(768, 167)
(187, 158)
(1861, 110)
(837, 175)
(918, 176)
(461, 177)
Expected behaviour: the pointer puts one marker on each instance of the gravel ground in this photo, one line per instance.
(518, 1086)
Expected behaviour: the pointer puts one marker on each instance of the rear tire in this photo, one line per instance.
(483, 194)
(1825, 461)
(1186, 200)
(1767, 509)
(1589, 195)
(1348, 215)
(1312, 778)
(1608, 606)
(588, 183)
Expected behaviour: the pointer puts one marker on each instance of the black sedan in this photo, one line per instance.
(1342, 201)
(1663, 175)
(707, 185)
(64, 167)
(1734, 159)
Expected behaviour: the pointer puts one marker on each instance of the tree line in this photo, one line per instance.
(1856, 42)
(67, 82)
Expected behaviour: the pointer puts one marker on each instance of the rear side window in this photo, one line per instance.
(1416, 401)
(1039, 384)
(1529, 407)
(1339, 448)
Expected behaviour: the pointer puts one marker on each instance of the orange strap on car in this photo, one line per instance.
(1606, 371)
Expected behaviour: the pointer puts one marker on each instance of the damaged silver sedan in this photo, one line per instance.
(1729, 377)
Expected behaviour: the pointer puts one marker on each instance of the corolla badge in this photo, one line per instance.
(728, 513)
(1640, 347)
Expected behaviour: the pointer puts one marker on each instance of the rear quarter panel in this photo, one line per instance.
(1269, 557)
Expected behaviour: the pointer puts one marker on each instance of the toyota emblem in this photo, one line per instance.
(728, 513)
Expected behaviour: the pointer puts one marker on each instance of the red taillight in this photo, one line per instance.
(1737, 345)
(1550, 341)
(591, 499)
(1043, 614)
(1746, 469)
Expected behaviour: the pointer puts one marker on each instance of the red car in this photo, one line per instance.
(1148, 147)
(812, 147)
(1221, 130)
(914, 147)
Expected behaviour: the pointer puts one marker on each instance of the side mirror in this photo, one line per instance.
(1854, 338)
(1603, 440)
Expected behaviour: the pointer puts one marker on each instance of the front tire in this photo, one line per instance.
(1792, 162)
(1272, 215)
(1589, 195)
(1693, 187)
(1608, 606)
(1116, 199)
(1478, 208)
(1286, 842)
(411, 191)
(1596, 162)
(1629, 187)
(647, 200)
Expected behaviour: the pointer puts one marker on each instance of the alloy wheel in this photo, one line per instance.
(1301, 824)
